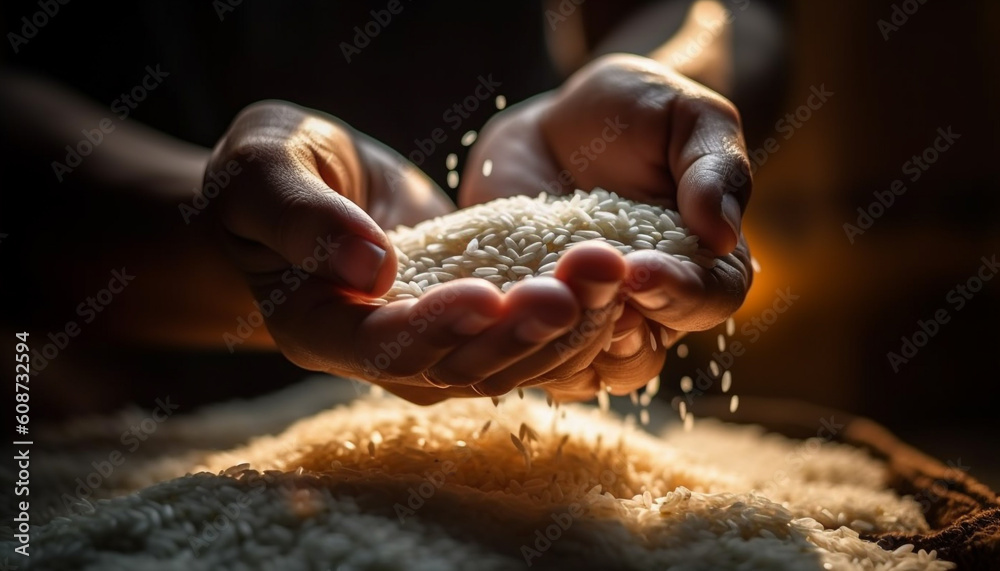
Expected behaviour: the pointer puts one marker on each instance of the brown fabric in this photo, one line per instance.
(964, 514)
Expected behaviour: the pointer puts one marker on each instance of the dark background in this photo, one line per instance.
(938, 70)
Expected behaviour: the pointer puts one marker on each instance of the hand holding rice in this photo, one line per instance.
(658, 290)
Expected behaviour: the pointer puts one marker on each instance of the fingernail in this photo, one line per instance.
(472, 324)
(653, 300)
(731, 213)
(358, 262)
(597, 294)
(534, 330)
(432, 381)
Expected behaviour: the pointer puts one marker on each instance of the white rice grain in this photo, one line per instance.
(522, 237)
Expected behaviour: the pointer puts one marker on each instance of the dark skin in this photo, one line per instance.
(315, 177)
(318, 194)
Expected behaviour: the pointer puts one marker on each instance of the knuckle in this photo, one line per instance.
(725, 108)
(264, 108)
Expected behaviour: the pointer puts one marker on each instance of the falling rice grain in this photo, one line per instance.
(644, 417)
(524, 452)
(682, 350)
(468, 138)
(603, 402)
(653, 386)
(687, 385)
(730, 327)
(721, 342)
(734, 403)
(562, 442)
(487, 167)
(500, 102)
(714, 367)
(682, 408)
(452, 179)
(451, 161)
(727, 381)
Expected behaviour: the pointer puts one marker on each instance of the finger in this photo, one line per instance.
(403, 339)
(683, 295)
(537, 311)
(560, 359)
(593, 271)
(631, 361)
(297, 201)
(582, 386)
(708, 158)
(425, 396)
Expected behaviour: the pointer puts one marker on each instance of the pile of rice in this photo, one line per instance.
(517, 238)
(384, 484)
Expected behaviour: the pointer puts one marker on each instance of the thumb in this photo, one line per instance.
(310, 221)
(714, 178)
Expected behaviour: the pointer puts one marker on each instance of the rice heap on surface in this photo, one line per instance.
(463, 485)
(516, 238)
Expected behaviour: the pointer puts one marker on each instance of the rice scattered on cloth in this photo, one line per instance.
(384, 484)
(511, 239)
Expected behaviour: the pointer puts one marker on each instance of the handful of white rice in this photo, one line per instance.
(510, 239)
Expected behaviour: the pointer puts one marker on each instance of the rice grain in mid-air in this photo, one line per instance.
(682, 350)
(664, 337)
(727, 381)
(653, 386)
(687, 385)
(603, 401)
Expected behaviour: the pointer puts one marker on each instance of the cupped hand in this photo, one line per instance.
(301, 211)
(633, 126)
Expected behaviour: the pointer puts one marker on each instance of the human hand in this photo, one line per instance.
(630, 125)
(303, 221)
